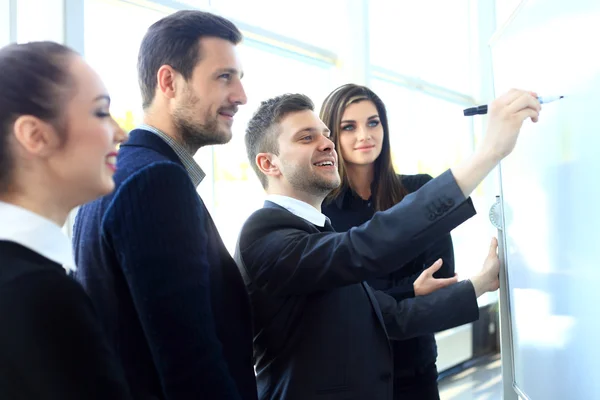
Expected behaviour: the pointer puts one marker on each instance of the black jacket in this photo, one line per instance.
(319, 331)
(349, 210)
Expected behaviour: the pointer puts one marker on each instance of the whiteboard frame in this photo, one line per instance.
(511, 390)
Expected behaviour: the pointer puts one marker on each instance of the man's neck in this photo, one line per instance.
(312, 200)
(166, 126)
(360, 178)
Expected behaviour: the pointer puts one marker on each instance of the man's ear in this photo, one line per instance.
(166, 81)
(267, 164)
(36, 137)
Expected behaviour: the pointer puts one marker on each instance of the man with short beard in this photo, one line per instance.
(169, 295)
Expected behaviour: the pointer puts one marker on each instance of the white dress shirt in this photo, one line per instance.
(299, 208)
(37, 233)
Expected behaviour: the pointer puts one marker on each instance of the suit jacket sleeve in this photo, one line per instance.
(442, 248)
(445, 308)
(56, 341)
(403, 288)
(156, 228)
(283, 257)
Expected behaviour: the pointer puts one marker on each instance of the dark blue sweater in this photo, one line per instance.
(167, 291)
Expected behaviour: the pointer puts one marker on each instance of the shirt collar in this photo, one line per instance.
(36, 233)
(299, 208)
(187, 158)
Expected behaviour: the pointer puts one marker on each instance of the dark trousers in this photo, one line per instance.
(416, 383)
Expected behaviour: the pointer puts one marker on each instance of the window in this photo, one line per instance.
(237, 190)
(113, 54)
(314, 22)
(194, 3)
(504, 10)
(37, 20)
(427, 134)
(6, 23)
(427, 39)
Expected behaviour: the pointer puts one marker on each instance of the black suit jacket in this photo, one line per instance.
(319, 331)
(349, 210)
(169, 294)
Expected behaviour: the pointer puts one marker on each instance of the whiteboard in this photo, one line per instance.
(551, 199)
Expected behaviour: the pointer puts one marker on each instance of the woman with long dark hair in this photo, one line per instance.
(359, 128)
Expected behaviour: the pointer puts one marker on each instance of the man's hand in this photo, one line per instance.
(487, 280)
(426, 283)
(506, 116)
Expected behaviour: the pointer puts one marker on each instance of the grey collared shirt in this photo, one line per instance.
(187, 159)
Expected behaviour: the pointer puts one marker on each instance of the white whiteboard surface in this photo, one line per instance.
(551, 199)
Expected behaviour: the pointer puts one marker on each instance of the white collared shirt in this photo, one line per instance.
(37, 233)
(299, 209)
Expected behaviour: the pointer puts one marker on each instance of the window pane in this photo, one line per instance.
(195, 3)
(237, 191)
(427, 134)
(5, 22)
(428, 39)
(113, 54)
(311, 21)
(504, 10)
(39, 20)
(430, 135)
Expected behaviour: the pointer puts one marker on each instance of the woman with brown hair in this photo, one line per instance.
(359, 128)
(58, 147)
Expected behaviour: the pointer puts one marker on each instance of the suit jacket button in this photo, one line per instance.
(450, 203)
(386, 376)
(432, 216)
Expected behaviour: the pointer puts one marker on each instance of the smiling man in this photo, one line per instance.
(170, 296)
(319, 331)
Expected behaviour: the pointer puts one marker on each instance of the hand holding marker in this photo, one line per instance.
(484, 108)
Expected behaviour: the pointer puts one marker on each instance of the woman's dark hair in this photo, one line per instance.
(386, 188)
(35, 80)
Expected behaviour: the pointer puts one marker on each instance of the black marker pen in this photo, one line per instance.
(484, 108)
